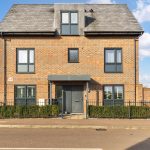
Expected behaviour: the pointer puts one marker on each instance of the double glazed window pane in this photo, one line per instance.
(110, 56)
(31, 92)
(31, 68)
(118, 95)
(23, 56)
(22, 68)
(59, 91)
(74, 18)
(20, 91)
(65, 29)
(65, 18)
(118, 56)
(31, 56)
(73, 55)
(108, 92)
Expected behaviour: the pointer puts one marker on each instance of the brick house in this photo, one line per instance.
(76, 52)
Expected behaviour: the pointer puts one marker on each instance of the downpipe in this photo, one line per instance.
(5, 68)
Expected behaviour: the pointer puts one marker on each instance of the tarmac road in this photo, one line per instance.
(111, 139)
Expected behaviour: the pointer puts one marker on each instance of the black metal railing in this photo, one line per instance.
(128, 109)
(29, 110)
(96, 109)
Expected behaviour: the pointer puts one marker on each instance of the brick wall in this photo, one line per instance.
(51, 57)
(143, 93)
(146, 94)
(139, 93)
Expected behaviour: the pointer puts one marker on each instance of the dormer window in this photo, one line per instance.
(69, 23)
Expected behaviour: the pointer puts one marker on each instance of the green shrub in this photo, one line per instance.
(29, 111)
(140, 112)
(119, 112)
(54, 110)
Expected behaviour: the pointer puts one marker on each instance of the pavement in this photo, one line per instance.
(99, 124)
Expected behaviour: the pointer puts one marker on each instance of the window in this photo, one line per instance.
(69, 23)
(25, 61)
(25, 94)
(113, 60)
(58, 91)
(113, 94)
(73, 55)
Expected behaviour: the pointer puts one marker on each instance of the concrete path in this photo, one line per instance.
(100, 124)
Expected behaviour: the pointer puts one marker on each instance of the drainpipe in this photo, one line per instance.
(135, 47)
(143, 98)
(5, 69)
(135, 39)
(87, 100)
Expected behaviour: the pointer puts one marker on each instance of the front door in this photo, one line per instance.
(73, 98)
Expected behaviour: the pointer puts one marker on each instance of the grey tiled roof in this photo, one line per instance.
(42, 18)
(29, 18)
(112, 18)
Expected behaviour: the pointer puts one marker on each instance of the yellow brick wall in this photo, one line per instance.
(146, 94)
(51, 57)
(140, 96)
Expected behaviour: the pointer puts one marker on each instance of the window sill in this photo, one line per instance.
(73, 62)
(114, 72)
(25, 73)
(70, 34)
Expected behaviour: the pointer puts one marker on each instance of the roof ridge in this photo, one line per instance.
(67, 4)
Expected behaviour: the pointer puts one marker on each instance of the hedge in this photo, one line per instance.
(119, 112)
(29, 111)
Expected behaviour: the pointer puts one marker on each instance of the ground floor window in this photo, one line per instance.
(25, 94)
(113, 94)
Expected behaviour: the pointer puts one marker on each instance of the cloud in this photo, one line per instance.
(145, 79)
(142, 12)
(102, 1)
(144, 45)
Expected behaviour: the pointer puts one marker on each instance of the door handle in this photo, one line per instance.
(81, 99)
(77, 101)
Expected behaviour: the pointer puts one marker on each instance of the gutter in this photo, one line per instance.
(29, 33)
(5, 69)
(94, 33)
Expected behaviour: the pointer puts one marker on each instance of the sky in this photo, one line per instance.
(140, 9)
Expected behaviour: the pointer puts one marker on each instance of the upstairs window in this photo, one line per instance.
(113, 60)
(69, 23)
(25, 61)
(73, 55)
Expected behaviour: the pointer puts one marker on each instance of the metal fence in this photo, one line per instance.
(96, 109)
(130, 110)
(118, 103)
(43, 102)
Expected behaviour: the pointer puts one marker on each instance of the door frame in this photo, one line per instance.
(82, 91)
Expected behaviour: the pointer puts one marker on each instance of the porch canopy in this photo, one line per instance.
(69, 78)
(82, 78)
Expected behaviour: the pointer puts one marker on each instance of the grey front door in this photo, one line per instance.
(73, 98)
